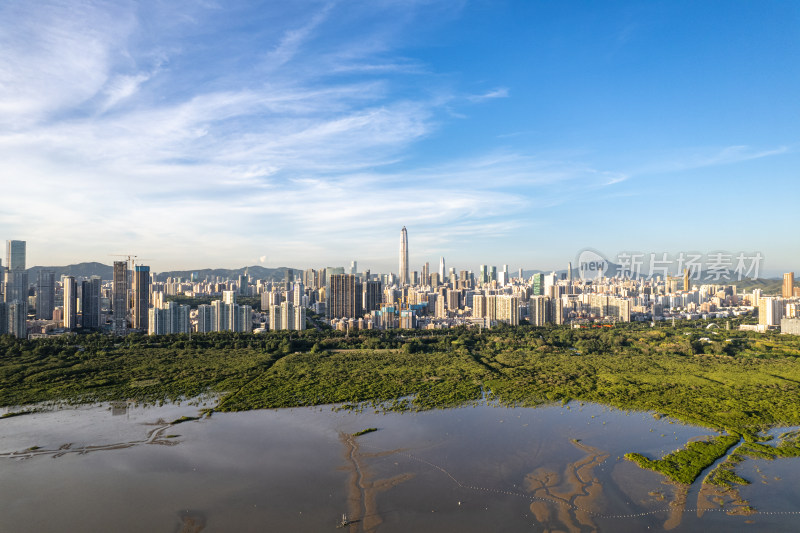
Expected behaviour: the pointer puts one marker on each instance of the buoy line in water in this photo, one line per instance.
(564, 503)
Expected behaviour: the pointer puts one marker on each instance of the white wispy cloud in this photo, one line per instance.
(500, 92)
(112, 140)
(696, 158)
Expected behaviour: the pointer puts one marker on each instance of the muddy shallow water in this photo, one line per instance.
(478, 468)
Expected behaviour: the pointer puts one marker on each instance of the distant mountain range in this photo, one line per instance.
(86, 270)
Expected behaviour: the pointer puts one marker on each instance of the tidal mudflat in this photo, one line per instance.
(127, 467)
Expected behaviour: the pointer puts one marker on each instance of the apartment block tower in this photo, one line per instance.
(119, 298)
(345, 296)
(788, 285)
(141, 297)
(16, 289)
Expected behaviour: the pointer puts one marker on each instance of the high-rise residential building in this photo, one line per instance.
(298, 292)
(539, 311)
(45, 294)
(90, 302)
(16, 285)
(426, 272)
(344, 296)
(557, 310)
(508, 309)
(170, 319)
(70, 303)
(275, 317)
(3, 318)
(300, 318)
(229, 297)
(453, 299)
(205, 318)
(220, 316)
(16, 289)
(479, 306)
(788, 285)
(287, 315)
(372, 296)
(141, 297)
(16, 313)
(770, 311)
(244, 322)
(755, 297)
(403, 273)
(442, 272)
(119, 298)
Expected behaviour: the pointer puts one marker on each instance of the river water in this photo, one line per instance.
(479, 468)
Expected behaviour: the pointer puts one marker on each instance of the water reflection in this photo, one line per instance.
(156, 436)
(473, 469)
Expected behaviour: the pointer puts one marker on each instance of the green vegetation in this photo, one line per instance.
(364, 432)
(789, 446)
(18, 413)
(183, 419)
(406, 381)
(723, 474)
(741, 381)
(684, 465)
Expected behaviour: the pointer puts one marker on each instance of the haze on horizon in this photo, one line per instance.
(307, 133)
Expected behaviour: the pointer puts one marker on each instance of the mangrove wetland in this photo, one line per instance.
(737, 384)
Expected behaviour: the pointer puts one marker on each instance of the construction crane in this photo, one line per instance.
(131, 258)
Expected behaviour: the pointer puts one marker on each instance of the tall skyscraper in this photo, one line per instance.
(686, 281)
(90, 302)
(426, 273)
(345, 296)
(119, 298)
(70, 303)
(45, 295)
(788, 285)
(141, 297)
(442, 273)
(403, 274)
(16, 289)
(15, 255)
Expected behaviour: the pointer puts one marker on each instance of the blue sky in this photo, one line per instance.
(306, 134)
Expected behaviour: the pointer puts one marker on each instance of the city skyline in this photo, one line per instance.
(304, 134)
